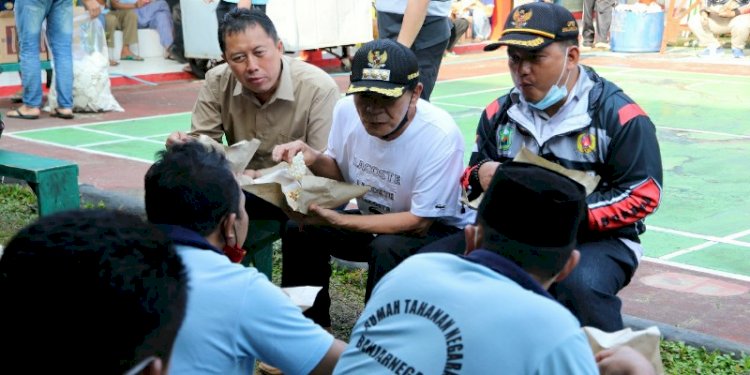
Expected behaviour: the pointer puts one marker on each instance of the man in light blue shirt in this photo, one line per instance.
(234, 314)
(487, 311)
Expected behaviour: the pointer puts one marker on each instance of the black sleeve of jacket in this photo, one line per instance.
(485, 146)
(631, 183)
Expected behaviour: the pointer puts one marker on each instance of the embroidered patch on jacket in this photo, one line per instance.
(586, 143)
(505, 138)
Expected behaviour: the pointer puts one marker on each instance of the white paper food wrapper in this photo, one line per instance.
(302, 296)
(645, 342)
(588, 181)
(279, 188)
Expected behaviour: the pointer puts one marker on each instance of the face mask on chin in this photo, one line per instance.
(235, 253)
(556, 93)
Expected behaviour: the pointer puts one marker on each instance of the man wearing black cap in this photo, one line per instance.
(568, 114)
(406, 150)
(487, 311)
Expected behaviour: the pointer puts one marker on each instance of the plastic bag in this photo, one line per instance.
(91, 87)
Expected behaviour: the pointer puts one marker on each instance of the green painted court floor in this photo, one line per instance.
(703, 128)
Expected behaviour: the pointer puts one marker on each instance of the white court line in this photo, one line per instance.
(728, 275)
(704, 132)
(458, 105)
(56, 127)
(127, 137)
(104, 143)
(700, 236)
(703, 245)
(84, 150)
(471, 93)
(623, 69)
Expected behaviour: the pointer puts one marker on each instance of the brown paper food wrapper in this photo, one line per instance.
(588, 181)
(238, 154)
(645, 342)
(279, 188)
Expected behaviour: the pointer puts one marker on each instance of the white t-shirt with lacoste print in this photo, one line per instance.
(418, 172)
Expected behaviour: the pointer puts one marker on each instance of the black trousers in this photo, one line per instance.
(429, 65)
(307, 253)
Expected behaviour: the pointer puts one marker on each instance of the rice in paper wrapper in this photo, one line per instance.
(590, 182)
(645, 342)
(278, 187)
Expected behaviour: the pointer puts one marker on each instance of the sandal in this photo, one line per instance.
(113, 63)
(131, 58)
(62, 115)
(19, 114)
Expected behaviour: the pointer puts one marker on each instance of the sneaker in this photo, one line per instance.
(737, 53)
(711, 52)
(602, 45)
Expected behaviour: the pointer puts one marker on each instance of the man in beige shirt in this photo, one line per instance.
(260, 93)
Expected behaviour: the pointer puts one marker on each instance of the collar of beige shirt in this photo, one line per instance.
(285, 91)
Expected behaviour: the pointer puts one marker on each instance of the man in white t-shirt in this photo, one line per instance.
(406, 150)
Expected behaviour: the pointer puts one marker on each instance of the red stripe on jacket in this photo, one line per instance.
(491, 109)
(629, 112)
(642, 201)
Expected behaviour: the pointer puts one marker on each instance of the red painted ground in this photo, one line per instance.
(686, 299)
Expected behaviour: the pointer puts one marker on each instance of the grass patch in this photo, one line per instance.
(18, 208)
(679, 358)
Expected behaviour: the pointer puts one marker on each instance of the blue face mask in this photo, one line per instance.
(556, 93)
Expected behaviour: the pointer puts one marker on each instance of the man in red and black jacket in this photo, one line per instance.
(583, 122)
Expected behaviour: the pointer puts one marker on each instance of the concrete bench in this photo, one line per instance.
(54, 181)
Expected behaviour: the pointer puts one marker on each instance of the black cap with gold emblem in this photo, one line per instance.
(385, 67)
(533, 26)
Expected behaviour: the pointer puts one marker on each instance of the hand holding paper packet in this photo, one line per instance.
(279, 187)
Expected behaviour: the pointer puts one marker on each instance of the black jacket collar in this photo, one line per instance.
(183, 236)
(505, 267)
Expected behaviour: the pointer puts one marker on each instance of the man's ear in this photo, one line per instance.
(574, 54)
(227, 229)
(156, 367)
(280, 46)
(474, 236)
(417, 92)
(572, 262)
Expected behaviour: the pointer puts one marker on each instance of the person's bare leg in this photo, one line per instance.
(125, 51)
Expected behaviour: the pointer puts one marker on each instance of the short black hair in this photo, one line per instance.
(543, 262)
(239, 19)
(98, 290)
(191, 186)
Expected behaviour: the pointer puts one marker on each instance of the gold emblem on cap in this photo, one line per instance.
(520, 17)
(376, 59)
(572, 26)
(376, 74)
(536, 42)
